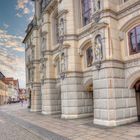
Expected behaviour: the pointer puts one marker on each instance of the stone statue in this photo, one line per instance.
(98, 48)
(61, 27)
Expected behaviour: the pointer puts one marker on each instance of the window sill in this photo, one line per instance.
(84, 28)
(132, 57)
(87, 69)
(126, 4)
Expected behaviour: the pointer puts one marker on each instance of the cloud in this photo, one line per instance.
(11, 41)
(12, 62)
(26, 11)
(25, 8)
(13, 67)
(6, 26)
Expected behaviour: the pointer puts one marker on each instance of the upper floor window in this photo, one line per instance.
(125, 0)
(97, 5)
(86, 11)
(134, 40)
(89, 56)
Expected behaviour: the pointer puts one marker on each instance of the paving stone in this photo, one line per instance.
(55, 128)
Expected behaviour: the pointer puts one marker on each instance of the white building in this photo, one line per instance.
(83, 59)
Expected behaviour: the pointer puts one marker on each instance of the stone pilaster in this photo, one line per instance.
(114, 104)
(51, 98)
(76, 103)
(36, 98)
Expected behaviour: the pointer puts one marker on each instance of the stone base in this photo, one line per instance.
(76, 116)
(115, 122)
(35, 110)
(51, 113)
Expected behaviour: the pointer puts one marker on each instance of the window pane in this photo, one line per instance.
(133, 43)
(138, 30)
(86, 18)
(132, 33)
(86, 11)
(138, 43)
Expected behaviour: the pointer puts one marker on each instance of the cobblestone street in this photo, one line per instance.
(17, 123)
(11, 131)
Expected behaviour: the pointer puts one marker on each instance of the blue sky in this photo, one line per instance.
(15, 15)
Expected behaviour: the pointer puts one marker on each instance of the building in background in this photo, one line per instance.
(3, 93)
(83, 59)
(12, 88)
(23, 94)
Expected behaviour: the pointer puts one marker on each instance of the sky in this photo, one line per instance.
(15, 15)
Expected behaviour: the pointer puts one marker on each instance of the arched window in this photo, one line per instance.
(89, 56)
(86, 11)
(134, 40)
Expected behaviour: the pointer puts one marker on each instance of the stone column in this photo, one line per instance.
(36, 98)
(75, 102)
(51, 97)
(114, 104)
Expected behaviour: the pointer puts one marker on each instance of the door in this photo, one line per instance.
(138, 104)
(137, 88)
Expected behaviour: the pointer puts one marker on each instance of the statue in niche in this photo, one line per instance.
(97, 5)
(43, 44)
(98, 48)
(61, 27)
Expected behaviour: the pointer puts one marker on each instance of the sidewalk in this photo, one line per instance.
(54, 128)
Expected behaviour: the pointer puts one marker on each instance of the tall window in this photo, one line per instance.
(89, 56)
(134, 40)
(86, 11)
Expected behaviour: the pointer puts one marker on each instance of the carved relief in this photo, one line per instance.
(61, 27)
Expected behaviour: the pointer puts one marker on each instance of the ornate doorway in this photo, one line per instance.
(137, 88)
(89, 94)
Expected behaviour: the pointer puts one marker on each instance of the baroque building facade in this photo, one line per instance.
(83, 59)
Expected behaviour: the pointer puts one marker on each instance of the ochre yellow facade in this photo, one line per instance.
(85, 61)
(3, 93)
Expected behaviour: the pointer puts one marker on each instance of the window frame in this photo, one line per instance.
(129, 41)
(89, 11)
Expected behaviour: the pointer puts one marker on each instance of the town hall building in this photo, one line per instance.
(83, 59)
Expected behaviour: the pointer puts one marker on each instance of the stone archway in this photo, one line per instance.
(88, 88)
(137, 89)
